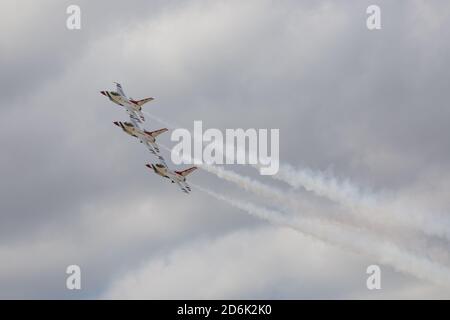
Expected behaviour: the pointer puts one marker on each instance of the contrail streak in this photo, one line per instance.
(369, 207)
(162, 121)
(245, 183)
(362, 243)
(373, 208)
(347, 237)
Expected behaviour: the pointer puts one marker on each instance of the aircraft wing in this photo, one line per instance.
(149, 147)
(134, 117)
(154, 146)
(161, 160)
(186, 186)
(136, 123)
(140, 114)
(183, 188)
(155, 152)
(119, 89)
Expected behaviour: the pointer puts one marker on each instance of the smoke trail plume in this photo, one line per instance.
(353, 239)
(364, 207)
(347, 237)
(371, 207)
(162, 121)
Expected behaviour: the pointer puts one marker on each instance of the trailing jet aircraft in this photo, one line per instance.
(144, 136)
(175, 176)
(133, 107)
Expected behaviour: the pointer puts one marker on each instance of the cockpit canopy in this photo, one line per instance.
(114, 93)
(159, 165)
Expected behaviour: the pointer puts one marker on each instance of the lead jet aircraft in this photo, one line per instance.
(133, 107)
(144, 136)
(178, 177)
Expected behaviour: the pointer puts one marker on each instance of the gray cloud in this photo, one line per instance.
(370, 106)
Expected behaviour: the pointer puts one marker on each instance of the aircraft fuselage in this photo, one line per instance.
(121, 100)
(164, 172)
(135, 132)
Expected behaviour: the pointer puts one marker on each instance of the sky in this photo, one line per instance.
(364, 175)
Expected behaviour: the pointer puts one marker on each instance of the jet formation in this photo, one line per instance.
(148, 138)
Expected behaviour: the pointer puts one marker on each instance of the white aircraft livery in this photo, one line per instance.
(135, 128)
(175, 176)
(144, 136)
(133, 107)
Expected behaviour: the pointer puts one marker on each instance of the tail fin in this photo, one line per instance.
(156, 133)
(143, 101)
(184, 173)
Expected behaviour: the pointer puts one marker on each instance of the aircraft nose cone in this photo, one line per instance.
(116, 123)
(103, 93)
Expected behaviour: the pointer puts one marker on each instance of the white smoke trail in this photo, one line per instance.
(363, 206)
(373, 208)
(244, 182)
(353, 239)
(385, 252)
(162, 121)
(249, 184)
(344, 192)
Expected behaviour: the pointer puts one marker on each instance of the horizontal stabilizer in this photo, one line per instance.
(143, 101)
(156, 133)
(184, 173)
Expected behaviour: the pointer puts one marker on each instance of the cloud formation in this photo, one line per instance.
(367, 106)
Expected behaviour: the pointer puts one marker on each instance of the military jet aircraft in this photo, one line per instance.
(133, 107)
(178, 177)
(144, 136)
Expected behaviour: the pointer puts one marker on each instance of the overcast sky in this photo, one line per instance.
(367, 107)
